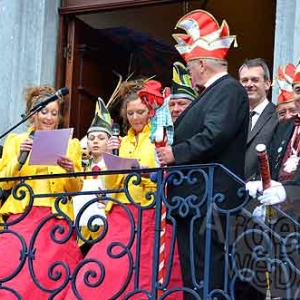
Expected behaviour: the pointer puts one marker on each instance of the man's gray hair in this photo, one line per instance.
(217, 63)
(257, 62)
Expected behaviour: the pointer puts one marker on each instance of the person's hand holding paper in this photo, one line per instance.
(50, 148)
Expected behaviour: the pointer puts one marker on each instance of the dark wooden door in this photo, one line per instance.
(80, 74)
(87, 75)
(86, 62)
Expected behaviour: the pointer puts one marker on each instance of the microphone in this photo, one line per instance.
(24, 154)
(58, 95)
(115, 131)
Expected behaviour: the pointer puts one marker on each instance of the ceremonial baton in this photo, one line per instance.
(265, 174)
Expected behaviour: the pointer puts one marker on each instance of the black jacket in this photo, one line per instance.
(213, 129)
(276, 152)
(261, 133)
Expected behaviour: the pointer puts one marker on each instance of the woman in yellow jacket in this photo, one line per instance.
(122, 220)
(49, 245)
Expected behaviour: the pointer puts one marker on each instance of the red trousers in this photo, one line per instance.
(46, 253)
(118, 270)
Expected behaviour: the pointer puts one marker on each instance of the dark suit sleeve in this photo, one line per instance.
(292, 203)
(278, 147)
(292, 192)
(292, 188)
(223, 119)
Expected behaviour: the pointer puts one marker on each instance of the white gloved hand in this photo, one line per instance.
(253, 187)
(260, 213)
(273, 195)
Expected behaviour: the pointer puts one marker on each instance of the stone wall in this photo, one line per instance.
(28, 39)
(287, 36)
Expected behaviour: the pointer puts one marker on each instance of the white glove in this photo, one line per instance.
(253, 187)
(273, 195)
(260, 213)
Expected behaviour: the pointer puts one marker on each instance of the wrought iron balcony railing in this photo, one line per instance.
(253, 252)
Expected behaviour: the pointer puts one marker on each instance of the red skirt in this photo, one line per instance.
(46, 252)
(118, 270)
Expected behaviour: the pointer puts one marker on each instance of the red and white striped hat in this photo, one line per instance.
(285, 77)
(297, 75)
(204, 38)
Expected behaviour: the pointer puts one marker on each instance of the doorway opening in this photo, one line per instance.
(125, 39)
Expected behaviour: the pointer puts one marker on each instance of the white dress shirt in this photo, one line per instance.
(211, 80)
(258, 111)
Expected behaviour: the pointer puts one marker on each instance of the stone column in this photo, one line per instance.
(287, 33)
(28, 39)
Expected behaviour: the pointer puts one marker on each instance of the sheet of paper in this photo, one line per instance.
(93, 209)
(114, 162)
(49, 145)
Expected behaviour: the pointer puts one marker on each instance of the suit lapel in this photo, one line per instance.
(282, 143)
(264, 117)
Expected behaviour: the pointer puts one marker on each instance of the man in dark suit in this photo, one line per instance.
(254, 75)
(213, 129)
(284, 157)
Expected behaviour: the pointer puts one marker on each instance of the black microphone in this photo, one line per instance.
(58, 95)
(24, 154)
(115, 131)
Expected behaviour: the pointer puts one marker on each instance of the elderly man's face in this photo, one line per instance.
(177, 106)
(296, 88)
(286, 110)
(196, 69)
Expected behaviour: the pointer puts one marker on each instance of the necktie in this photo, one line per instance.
(252, 113)
(94, 169)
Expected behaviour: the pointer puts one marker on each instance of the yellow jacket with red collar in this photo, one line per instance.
(143, 150)
(9, 168)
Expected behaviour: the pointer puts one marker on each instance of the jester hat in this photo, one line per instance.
(102, 119)
(297, 74)
(284, 79)
(204, 38)
(151, 95)
(181, 83)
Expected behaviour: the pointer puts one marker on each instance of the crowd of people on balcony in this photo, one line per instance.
(216, 118)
